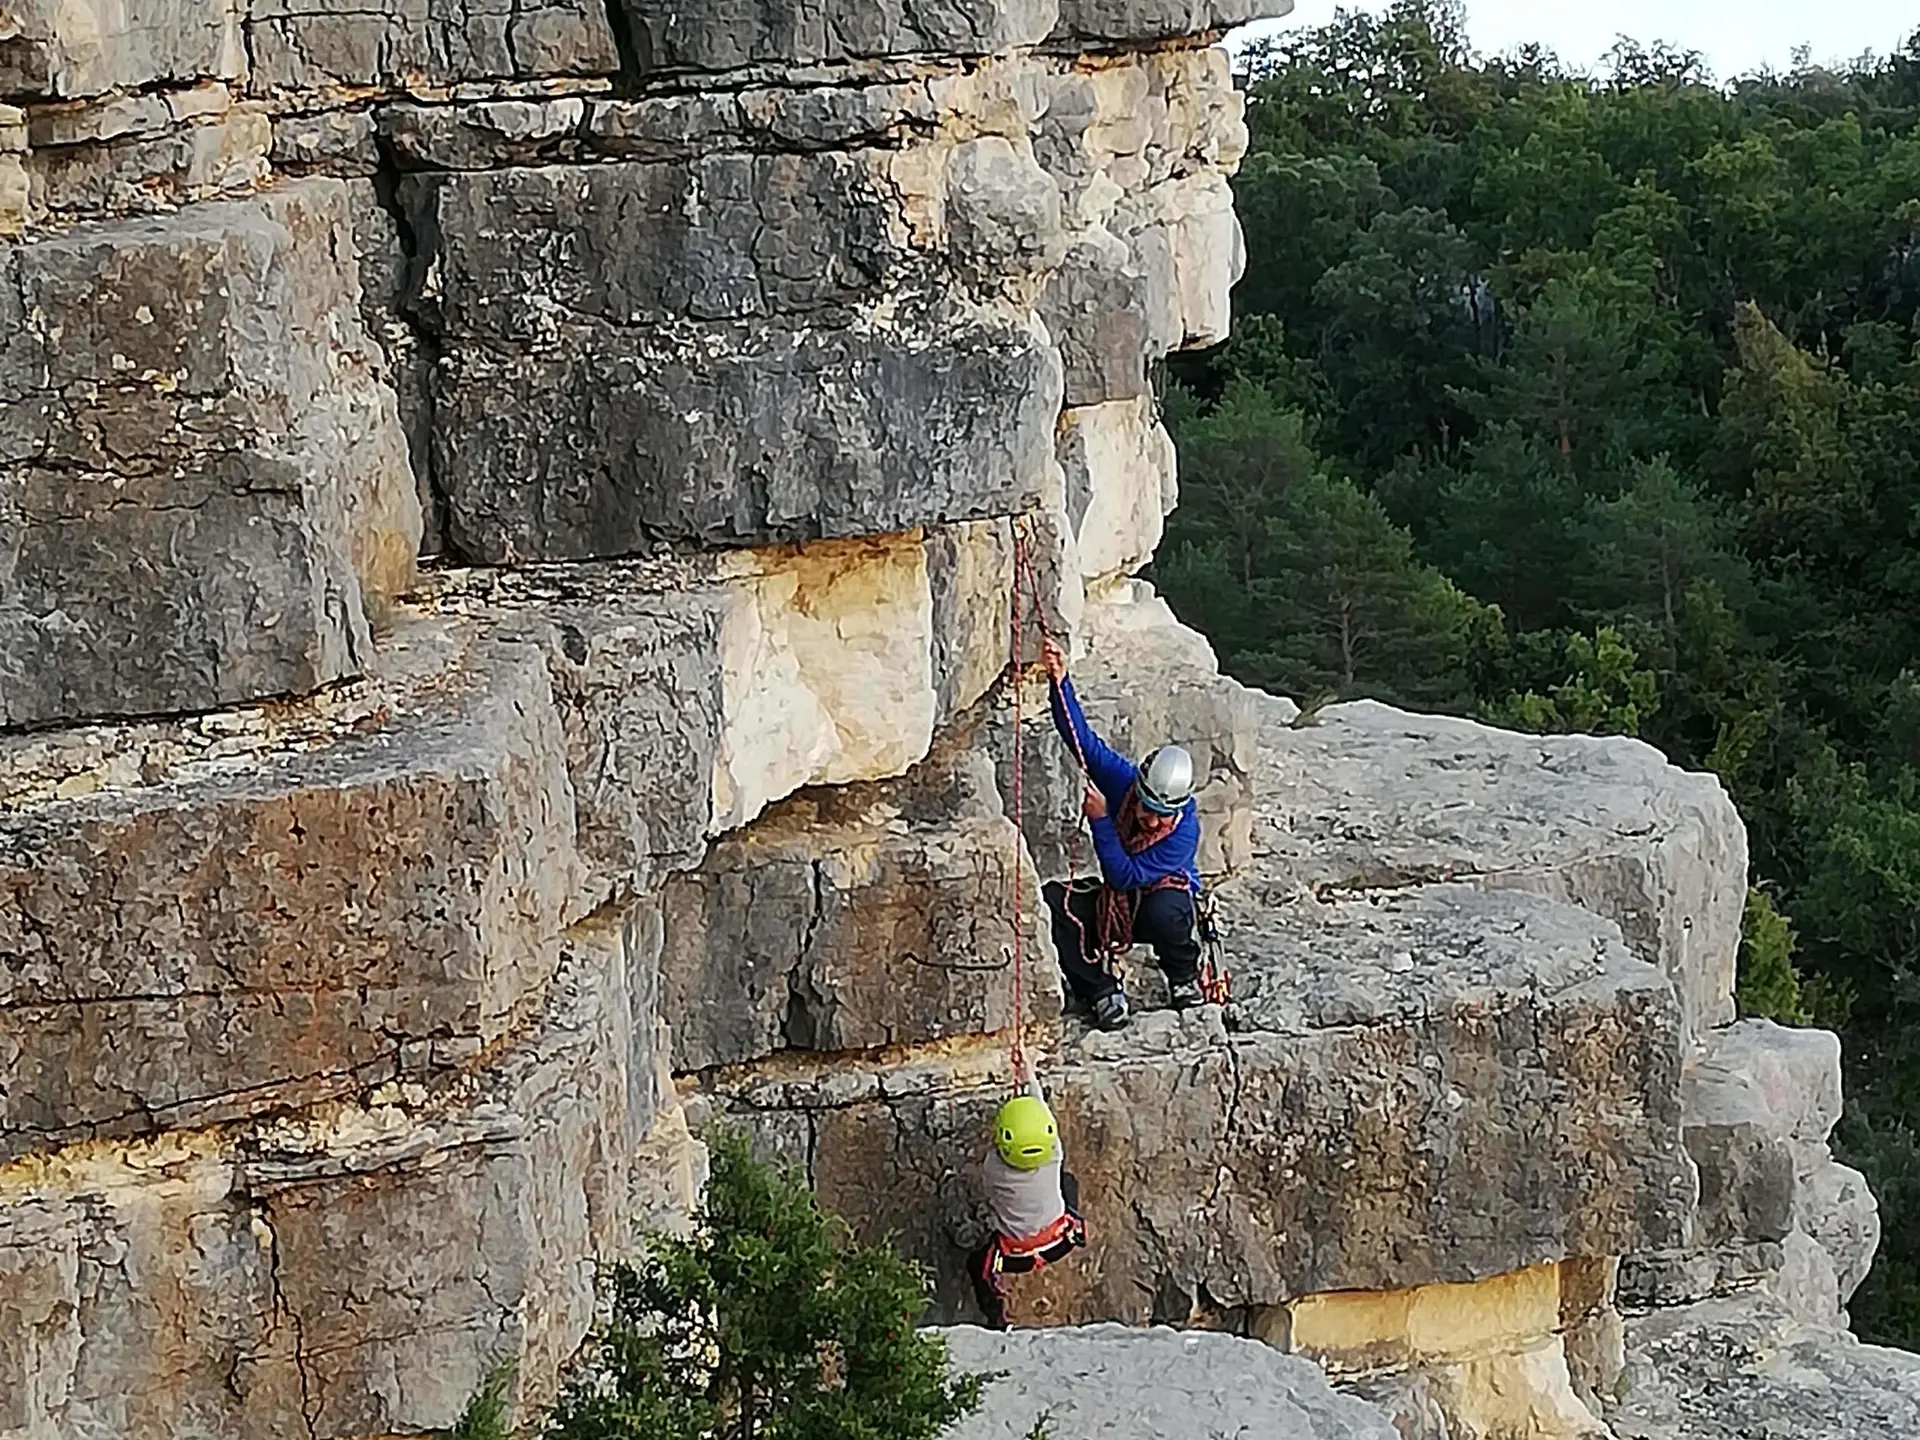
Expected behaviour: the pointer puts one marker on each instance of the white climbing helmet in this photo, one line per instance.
(1166, 779)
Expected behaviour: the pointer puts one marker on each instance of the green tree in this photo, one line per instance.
(486, 1415)
(1604, 690)
(1768, 986)
(1299, 576)
(771, 1323)
(1504, 525)
(1642, 552)
(1631, 358)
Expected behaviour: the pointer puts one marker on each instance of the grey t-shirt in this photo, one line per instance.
(1023, 1202)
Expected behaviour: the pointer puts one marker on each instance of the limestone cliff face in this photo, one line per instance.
(375, 939)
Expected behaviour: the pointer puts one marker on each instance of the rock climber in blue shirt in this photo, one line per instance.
(1146, 833)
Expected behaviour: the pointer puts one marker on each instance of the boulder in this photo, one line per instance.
(1746, 1367)
(740, 435)
(206, 919)
(1156, 1384)
(1368, 798)
(811, 345)
(1759, 1102)
(224, 500)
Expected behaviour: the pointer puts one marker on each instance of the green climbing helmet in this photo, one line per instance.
(1024, 1132)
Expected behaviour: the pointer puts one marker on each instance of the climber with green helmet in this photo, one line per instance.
(1146, 834)
(1032, 1199)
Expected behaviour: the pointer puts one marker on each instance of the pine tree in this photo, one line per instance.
(1297, 575)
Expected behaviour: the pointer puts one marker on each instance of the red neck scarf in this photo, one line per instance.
(1140, 828)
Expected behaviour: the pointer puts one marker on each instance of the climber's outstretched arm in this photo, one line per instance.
(1109, 770)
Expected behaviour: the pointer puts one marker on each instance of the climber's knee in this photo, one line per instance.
(1167, 922)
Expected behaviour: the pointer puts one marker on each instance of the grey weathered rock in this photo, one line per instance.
(1371, 798)
(207, 918)
(749, 371)
(334, 142)
(180, 1287)
(223, 499)
(970, 568)
(130, 1287)
(58, 49)
(1158, 1384)
(1763, 1074)
(856, 918)
(639, 679)
(1747, 1369)
(516, 255)
(763, 32)
(201, 157)
(1759, 1102)
(487, 133)
(495, 1208)
(1840, 1215)
(740, 436)
(765, 117)
(1415, 1091)
(1160, 19)
(1003, 215)
(696, 691)
(316, 45)
(1096, 306)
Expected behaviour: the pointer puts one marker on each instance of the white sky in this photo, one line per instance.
(1736, 36)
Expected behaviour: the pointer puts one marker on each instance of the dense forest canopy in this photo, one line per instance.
(1592, 403)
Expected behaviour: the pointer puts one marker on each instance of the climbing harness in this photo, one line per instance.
(1009, 1256)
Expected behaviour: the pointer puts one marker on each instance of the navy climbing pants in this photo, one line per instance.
(1162, 919)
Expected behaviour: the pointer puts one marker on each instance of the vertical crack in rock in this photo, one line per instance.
(632, 44)
(309, 1402)
(809, 1018)
(1229, 1125)
(387, 183)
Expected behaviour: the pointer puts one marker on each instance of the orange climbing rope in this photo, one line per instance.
(1016, 671)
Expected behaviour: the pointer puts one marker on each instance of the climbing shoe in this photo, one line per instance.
(1110, 1010)
(1185, 995)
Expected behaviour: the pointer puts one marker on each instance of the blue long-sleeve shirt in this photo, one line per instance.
(1113, 775)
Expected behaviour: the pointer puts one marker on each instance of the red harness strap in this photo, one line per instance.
(1006, 1255)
